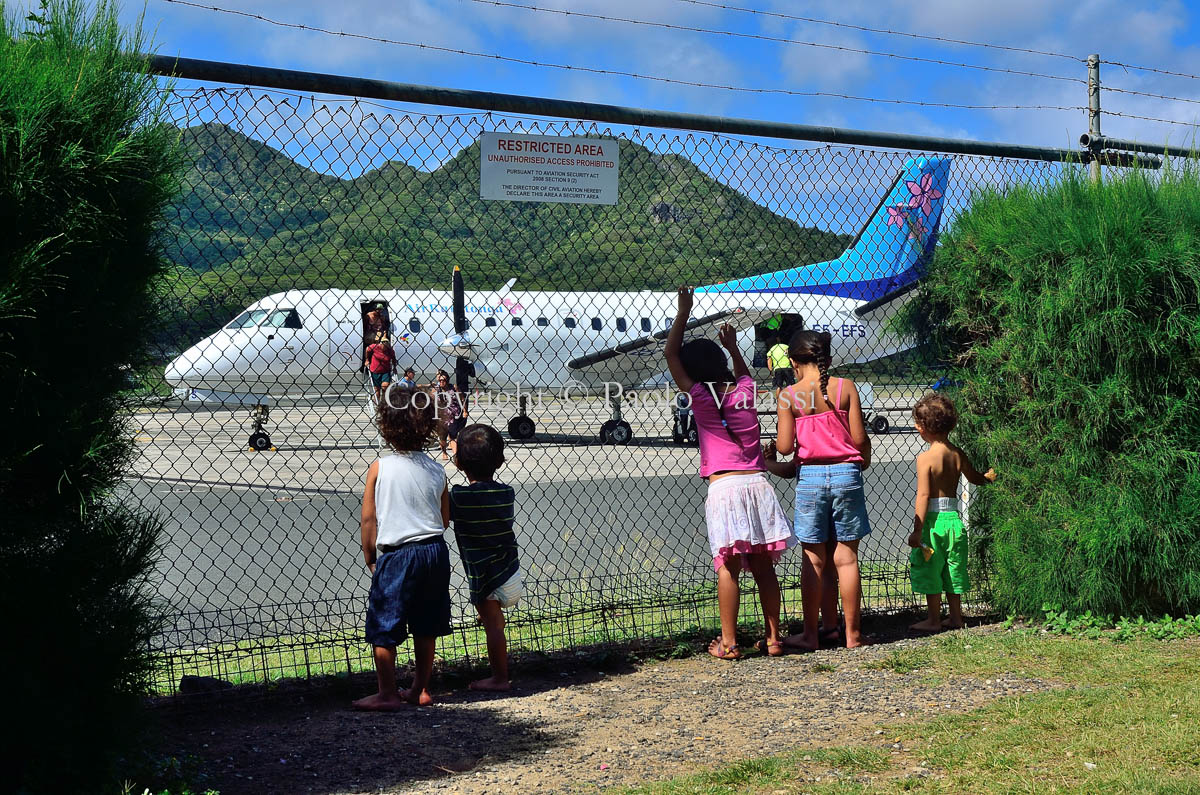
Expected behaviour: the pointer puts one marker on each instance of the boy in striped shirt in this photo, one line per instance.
(483, 514)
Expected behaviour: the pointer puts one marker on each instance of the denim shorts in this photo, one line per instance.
(830, 504)
(410, 593)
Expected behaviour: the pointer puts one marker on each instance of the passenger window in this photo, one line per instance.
(569, 322)
(620, 324)
(646, 324)
(516, 321)
(597, 324)
(414, 325)
(541, 321)
(491, 321)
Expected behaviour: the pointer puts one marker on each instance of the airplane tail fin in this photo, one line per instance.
(889, 253)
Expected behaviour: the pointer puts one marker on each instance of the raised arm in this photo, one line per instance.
(728, 337)
(971, 473)
(369, 523)
(675, 341)
(858, 426)
(922, 503)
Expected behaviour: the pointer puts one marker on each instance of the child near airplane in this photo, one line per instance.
(746, 526)
(832, 448)
(939, 557)
(483, 515)
(405, 512)
(451, 412)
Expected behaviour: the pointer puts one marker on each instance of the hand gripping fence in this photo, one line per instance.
(299, 215)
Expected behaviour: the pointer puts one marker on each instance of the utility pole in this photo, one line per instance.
(1093, 65)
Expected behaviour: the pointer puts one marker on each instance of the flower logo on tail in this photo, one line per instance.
(923, 194)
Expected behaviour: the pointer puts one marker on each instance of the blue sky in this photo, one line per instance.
(1159, 33)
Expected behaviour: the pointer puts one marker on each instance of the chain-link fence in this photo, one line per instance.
(305, 227)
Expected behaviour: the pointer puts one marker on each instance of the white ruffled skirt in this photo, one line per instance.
(744, 517)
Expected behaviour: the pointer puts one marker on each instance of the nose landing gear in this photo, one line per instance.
(259, 440)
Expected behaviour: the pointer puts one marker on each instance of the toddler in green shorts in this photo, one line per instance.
(939, 540)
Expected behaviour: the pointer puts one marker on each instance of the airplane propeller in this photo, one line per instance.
(463, 369)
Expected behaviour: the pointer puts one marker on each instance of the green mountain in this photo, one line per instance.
(251, 221)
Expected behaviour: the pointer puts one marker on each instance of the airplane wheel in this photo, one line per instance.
(521, 428)
(606, 431)
(620, 433)
(880, 424)
(260, 441)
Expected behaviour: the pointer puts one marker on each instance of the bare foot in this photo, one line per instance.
(491, 684)
(421, 699)
(853, 642)
(948, 624)
(381, 702)
(926, 626)
(801, 643)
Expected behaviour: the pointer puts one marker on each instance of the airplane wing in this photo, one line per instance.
(637, 360)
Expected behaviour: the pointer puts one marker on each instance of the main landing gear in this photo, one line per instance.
(615, 430)
(259, 440)
(521, 426)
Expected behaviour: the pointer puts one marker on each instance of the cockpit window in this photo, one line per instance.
(284, 318)
(248, 319)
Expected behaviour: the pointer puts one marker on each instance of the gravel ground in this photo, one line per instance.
(564, 729)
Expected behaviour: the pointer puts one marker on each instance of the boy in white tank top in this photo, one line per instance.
(406, 509)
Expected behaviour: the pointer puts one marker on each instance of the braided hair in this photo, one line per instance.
(812, 347)
(705, 363)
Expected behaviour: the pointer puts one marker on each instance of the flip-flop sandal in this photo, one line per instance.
(722, 652)
(774, 649)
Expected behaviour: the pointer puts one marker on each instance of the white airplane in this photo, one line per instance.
(302, 342)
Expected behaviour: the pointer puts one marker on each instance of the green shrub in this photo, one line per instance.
(1070, 312)
(85, 170)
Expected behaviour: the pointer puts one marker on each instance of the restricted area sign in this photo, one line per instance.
(546, 168)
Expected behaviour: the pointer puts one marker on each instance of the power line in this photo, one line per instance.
(780, 40)
(617, 72)
(883, 31)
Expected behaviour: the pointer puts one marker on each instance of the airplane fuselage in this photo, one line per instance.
(311, 341)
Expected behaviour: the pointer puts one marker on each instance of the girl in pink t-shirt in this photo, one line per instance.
(746, 526)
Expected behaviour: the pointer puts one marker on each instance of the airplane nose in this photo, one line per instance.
(177, 373)
(458, 345)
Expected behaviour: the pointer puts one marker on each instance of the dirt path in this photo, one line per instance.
(568, 730)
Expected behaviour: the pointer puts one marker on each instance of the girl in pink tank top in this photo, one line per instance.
(831, 448)
(746, 526)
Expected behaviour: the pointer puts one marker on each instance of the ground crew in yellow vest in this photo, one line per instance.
(782, 375)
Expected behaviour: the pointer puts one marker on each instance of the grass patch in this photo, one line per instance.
(823, 668)
(902, 661)
(1126, 720)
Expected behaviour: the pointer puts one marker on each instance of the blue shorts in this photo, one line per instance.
(410, 593)
(379, 379)
(830, 504)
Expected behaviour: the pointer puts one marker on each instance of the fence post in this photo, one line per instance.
(1093, 65)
